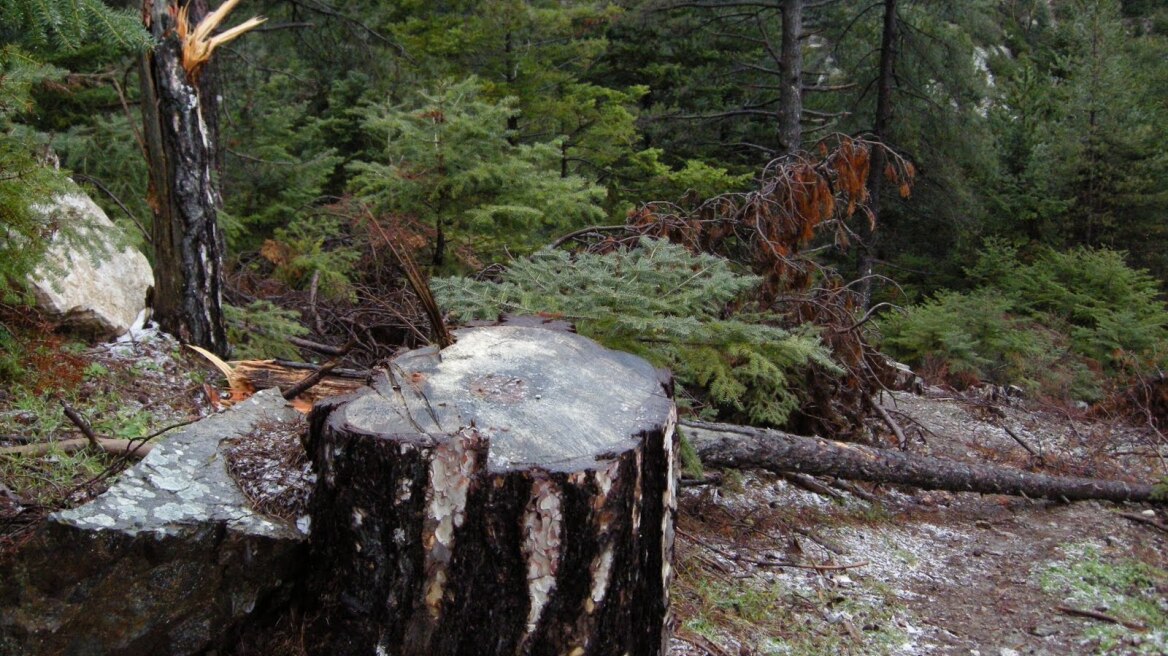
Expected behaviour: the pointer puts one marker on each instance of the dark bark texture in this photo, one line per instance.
(725, 445)
(180, 133)
(512, 494)
(880, 124)
(791, 84)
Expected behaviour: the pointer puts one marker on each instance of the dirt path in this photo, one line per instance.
(936, 573)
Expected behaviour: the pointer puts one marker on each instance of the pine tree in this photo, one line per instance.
(32, 36)
(665, 304)
(448, 160)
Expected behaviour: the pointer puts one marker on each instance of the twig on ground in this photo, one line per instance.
(110, 446)
(1022, 442)
(315, 346)
(315, 377)
(921, 428)
(901, 440)
(811, 485)
(355, 374)
(855, 490)
(1103, 617)
(81, 424)
(1145, 520)
(830, 545)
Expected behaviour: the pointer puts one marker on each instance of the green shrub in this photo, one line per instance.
(315, 245)
(1064, 324)
(10, 366)
(967, 338)
(662, 303)
(1111, 311)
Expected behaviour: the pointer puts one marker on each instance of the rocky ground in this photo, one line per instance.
(772, 565)
(918, 572)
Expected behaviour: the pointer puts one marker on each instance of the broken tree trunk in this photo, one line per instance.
(727, 445)
(179, 131)
(511, 494)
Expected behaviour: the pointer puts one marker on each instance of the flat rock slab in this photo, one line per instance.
(169, 560)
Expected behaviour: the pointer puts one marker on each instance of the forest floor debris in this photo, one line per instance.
(941, 573)
(765, 566)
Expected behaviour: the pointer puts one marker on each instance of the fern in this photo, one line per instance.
(665, 304)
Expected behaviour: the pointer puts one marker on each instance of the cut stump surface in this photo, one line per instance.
(511, 494)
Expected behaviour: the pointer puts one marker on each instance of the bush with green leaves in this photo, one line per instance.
(1111, 311)
(975, 337)
(665, 304)
(450, 160)
(319, 246)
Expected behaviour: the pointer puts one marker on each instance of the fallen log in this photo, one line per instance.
(728, 445)
(133, 448)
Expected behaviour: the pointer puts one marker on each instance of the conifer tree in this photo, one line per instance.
(33, 35)
(661, 302)
(448, 159)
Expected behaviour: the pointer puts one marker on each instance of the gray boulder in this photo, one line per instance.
(170, 560)
(98, 297)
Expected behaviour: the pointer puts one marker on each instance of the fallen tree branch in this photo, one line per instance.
(111, 446)
(1146, 520)
(727, 445)
(1103, 617)
(80, 423)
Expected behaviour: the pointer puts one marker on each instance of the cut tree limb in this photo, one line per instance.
(727, 445)
(132, 448)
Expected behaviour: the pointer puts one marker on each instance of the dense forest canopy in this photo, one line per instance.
(1008, 164)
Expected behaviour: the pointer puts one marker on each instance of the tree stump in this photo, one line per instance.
(514, 493)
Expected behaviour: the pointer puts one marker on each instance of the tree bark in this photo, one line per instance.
(791, 82)
(726, 445)
(179, 129)
(881, 121)
(512, 494)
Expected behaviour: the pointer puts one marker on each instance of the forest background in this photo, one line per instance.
(977, 188)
